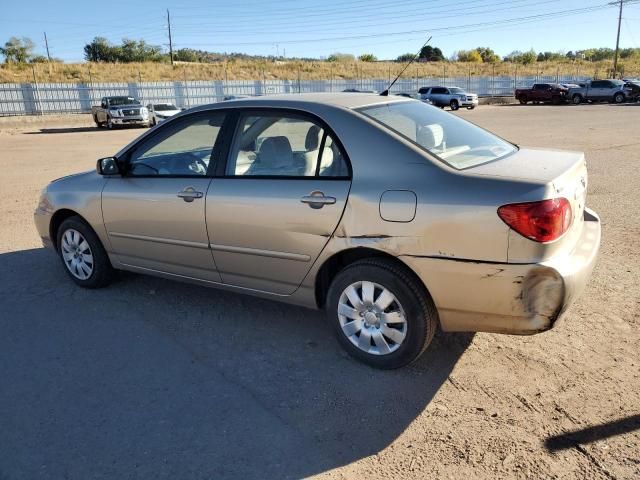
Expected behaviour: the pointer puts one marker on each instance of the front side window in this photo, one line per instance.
(282, 145)
(182, 149)
(453, 140)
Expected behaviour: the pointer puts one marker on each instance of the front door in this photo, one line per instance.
(284, 189)
(155, 213)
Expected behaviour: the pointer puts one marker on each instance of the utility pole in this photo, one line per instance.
(46, 43)
(615, 58)
(170, 42)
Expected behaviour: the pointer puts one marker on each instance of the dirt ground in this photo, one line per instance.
(154, 379)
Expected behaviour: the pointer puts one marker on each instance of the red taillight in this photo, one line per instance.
(543, 221)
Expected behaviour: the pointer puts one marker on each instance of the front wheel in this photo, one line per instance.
(523, 101)
(471, 107)
(618, 98)
(83, 255)
(454, 105)
(110, 123)
(577, 99)
(380, 313)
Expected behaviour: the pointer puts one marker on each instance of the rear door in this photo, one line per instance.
(279, 199)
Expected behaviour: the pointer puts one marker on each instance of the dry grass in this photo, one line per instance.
(259, 70)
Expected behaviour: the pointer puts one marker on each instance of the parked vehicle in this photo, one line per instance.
(357, 90)
(542, 92)
(452, 97)
(415, 96)
(600, 91)
(161, 111)
(116, 111)
(633, 87)
(392, 216)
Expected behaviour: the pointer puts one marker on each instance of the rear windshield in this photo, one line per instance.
(456, 142)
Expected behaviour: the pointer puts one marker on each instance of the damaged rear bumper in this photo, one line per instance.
(509, 298)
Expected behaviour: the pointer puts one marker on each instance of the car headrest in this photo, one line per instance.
(314, 137)
(275, 152)
(430, 136)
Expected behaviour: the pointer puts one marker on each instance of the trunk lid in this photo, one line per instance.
(559, 174)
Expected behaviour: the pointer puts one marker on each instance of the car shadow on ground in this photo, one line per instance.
(154, 379)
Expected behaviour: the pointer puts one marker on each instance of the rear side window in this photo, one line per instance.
(438, 91)
(284, 145)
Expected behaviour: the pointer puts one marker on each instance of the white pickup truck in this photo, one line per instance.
(115, 111)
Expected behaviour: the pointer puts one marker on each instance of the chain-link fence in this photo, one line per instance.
(49, 98)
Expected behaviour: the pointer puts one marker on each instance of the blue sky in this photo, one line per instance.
(318, 28)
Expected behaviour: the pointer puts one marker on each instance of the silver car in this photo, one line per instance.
(393, 216)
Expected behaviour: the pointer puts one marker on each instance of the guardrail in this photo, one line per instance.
(51, 98)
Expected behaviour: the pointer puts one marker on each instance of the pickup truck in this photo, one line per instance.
(600, 91)
(114, 111)
(542, 92)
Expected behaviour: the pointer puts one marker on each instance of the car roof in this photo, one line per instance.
(344, 100)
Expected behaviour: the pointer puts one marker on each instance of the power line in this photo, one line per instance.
(537, 17)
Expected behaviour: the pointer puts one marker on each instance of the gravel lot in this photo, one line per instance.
(154, 379)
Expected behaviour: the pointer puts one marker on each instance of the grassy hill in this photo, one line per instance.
(292, 70)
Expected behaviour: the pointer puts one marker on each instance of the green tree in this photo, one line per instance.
(405, 57)
(368, 57)
(488, 55)
(431, 54)
(17, 50)
(526, 58)
(469, 56)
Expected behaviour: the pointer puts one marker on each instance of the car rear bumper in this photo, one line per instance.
(509, 298)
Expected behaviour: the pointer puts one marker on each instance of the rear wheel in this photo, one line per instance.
(83, 255)
(577, 99)
(380, 314)
(523, 101)
(454, 105)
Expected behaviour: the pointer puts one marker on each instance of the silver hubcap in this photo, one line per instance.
(372, 318)
(76, 254)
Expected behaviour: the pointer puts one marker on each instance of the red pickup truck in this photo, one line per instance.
(542, 92)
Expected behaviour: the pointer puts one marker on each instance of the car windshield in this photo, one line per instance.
(123, 101)
(456, 142)
(163, 107)
(456, 90)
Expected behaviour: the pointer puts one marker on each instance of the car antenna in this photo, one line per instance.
(386, 92)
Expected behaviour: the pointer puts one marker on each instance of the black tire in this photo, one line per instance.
(420, 311)
(619, 97)
(454, 105)
(523, 101)
(471, 107)
(110, 124)
(102, 272)
(576, 99)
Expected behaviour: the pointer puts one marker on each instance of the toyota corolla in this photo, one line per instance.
(393, 216)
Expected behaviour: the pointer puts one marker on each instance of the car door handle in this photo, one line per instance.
(189, 194)
(317, 200)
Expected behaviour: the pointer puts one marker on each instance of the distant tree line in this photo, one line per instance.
(20, 50)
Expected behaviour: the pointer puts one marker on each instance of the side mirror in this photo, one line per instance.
(107, 166)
